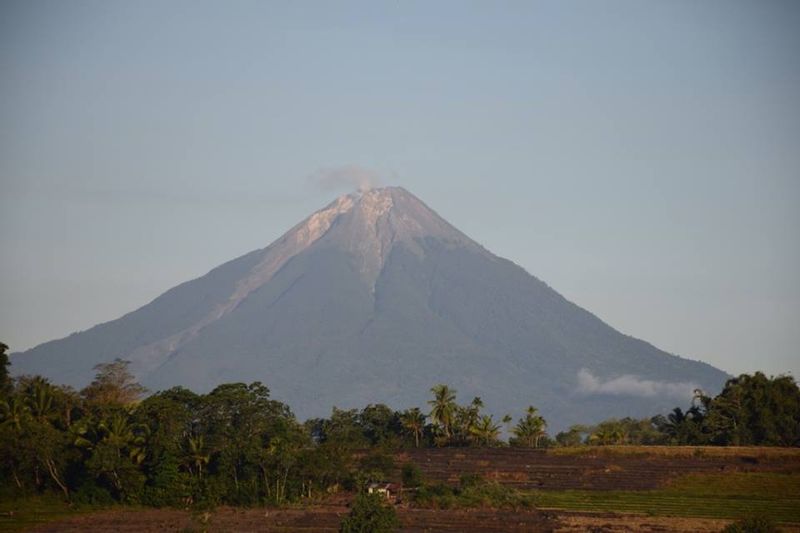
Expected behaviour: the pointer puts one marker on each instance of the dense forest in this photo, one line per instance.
(236, 445)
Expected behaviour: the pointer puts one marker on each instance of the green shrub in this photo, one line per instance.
(166, 486)
(470, 480)
(411, 475)
(378, 463)
(370, 514)
(494, 495)
(752, 524)
(439, 495)
(91, 494)
(473, 491)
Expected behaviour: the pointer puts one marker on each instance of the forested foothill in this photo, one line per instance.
(112, 443)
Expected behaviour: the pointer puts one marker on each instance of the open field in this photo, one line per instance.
(586, 489)
(696, 495)
(611, 468)
(326, 519)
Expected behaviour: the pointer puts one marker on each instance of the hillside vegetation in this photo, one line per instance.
(108, 444)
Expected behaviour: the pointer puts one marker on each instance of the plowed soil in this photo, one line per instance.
(601, 469)
(412, 520)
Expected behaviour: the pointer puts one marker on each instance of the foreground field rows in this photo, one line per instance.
(569, 490)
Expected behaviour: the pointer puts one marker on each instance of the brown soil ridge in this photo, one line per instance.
(601, 468)
(326, 519)
(311, 519)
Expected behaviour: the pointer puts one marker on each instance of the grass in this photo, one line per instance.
(730, 495)
(20, 514)
(482, 494)
(761, 452)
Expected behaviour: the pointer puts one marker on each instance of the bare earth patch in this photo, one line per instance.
(659, 489)
(326, 519)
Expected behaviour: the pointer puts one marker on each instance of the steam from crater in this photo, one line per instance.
(347, 177)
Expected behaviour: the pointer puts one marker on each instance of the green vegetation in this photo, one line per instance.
(729, 495)
(411, 476)
(473, 491)
(105, 445)
(529, 430)
(750, 411)
(5, 379)
(20, 514)
(753, 524)
(370, 514)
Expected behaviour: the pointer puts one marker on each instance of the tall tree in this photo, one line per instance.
(485, 431)
(5, 378)
(116, 447)
(443, 408)
(755, 410)
(414, 422)
(530, 429)
(380, 424)
(681, 427)
(113, 385)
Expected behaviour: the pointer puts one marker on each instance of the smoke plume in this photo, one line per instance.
(630, 385)
(345, 177)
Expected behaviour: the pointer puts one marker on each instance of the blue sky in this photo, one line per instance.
(642, 158)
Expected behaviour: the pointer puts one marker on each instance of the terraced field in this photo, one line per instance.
(723, 483)
(618, 468)
(588, 489)
(695, 495)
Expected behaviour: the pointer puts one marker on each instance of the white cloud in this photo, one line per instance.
(345, 177)
(630, 385)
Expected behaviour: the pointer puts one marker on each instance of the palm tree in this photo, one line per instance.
(198, 455)
(414, 421)
(122, 435)
(674, 424)
(14, 412)
(41, 399)
(472, 414)
(443, 407)
(606, 435)
(682, 427)
(485, 430)
(507, 421)
(14, 415)
(530, 428)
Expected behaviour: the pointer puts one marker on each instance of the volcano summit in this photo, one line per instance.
(375, 298)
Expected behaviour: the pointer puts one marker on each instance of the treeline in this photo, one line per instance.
(751, 410)
(237, 446)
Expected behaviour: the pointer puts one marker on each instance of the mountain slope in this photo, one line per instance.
(375, 298)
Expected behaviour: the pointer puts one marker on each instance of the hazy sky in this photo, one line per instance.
(642, 158)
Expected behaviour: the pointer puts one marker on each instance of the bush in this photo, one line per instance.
(378, 463)
(166, 485)
(370, 514)
(440, 496)
(752, 524)
(473, 492)
(494, 495)
(470, 480)
(89, 493)
(411, 475)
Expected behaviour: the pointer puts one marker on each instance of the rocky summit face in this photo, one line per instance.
(374, 299)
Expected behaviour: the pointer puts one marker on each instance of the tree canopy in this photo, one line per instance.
(237, 445)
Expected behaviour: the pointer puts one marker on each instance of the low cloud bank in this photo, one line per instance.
(630, 385)
(345, 177)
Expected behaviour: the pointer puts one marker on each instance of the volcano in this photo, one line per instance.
(374, 299)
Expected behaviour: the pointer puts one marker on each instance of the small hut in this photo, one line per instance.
(388, 490)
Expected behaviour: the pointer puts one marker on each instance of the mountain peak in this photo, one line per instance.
(366, 225)
(373, 298)
(369, 224)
